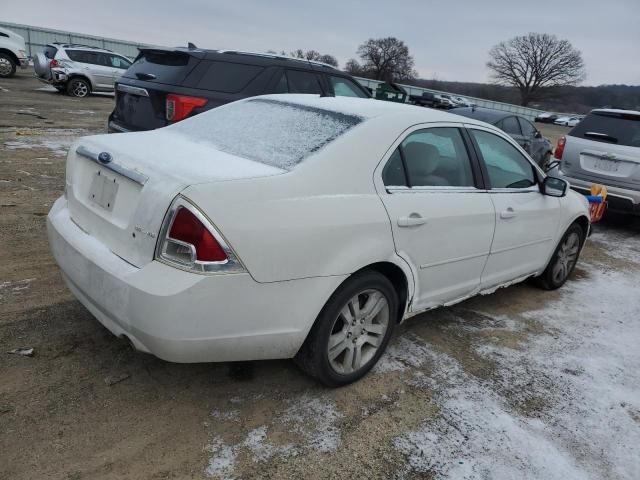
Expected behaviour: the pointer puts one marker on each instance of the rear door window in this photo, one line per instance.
(303, 82)
(228, 77)
(610, 127)
(511, 126)
(528, 130)
(281, 86)
(77, 55)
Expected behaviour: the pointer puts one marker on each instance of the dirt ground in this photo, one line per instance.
(86, 406)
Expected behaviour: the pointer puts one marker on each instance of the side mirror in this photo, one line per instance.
(554, 187)
(551, 165)
(537, 134)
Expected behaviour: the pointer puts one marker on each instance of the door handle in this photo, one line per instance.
(412, 220)
(508, 213)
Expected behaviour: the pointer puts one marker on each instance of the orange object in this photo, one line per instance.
(597, 209)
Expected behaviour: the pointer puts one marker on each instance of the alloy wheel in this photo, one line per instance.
(79, 89)
(566, 257)
(5, 67)
(358, 331)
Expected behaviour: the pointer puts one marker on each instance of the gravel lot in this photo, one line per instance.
(519, 384)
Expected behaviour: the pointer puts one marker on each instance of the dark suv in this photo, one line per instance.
(164, 86)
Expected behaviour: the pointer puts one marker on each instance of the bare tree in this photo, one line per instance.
(535, 61)
(386, 59)
(315, 56)
(353, 67)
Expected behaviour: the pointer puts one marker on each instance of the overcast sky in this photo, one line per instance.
(449, 40)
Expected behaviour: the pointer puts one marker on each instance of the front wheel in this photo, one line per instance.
(564, 259)
(352, 330)
(7, 66)
(77, 87)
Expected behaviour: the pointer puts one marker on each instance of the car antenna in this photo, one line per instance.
(191, 46)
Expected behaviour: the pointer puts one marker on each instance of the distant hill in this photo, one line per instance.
(565, 99)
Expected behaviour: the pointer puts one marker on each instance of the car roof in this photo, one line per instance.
(615, 110)
(483, 114)
(78, 46)
(370, 108)
(254, 58)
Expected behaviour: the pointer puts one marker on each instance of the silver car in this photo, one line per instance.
(79, 69)
(604, 148)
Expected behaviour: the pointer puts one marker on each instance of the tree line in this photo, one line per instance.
(536, 69)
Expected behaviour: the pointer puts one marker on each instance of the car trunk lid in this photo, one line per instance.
(119, 187)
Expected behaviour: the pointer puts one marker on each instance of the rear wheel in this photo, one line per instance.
(564, 259)
(352, 330)
(7, 66)
(77, 87)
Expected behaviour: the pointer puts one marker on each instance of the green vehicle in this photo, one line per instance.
(391, 92)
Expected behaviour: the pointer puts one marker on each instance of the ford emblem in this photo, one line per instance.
(104, 157)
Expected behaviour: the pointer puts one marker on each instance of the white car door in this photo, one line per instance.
(442, 218)
(526, 220)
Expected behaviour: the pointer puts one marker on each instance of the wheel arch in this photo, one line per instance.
(584, 222)
(13, 56)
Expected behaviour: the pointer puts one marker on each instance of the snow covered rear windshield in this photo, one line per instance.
(273, 132)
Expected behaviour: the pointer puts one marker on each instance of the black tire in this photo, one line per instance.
(551, 278)
(7, 66)
(313, 357)
(78, 87)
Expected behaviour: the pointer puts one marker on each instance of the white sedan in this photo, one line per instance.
(568, 121)
(298, 226)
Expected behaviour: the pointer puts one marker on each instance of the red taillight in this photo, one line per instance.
(188, 229)
(560, 148)
(54, 63)
(179, 107)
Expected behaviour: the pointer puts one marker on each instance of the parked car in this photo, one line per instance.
(303, 226)
(463, 102)
(521, 129)
(13, 53)
(426, 99)
(567, 121)
(164, 86)
(604, 148)
(546, 117)
(79, 69)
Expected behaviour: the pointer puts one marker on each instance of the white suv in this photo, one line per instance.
(604, 148)
(12, 53)
(79, 69)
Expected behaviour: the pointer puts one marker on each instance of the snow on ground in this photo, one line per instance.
(58, 140)
(311, 419)
(583, 374)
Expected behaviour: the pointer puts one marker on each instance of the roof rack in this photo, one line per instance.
(76, 45)
(276, 55)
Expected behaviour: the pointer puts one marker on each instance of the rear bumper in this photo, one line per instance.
(23, 63)
(180, 316)
(57, 78)
(619, 199)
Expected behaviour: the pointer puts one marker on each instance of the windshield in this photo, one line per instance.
(272, 132)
